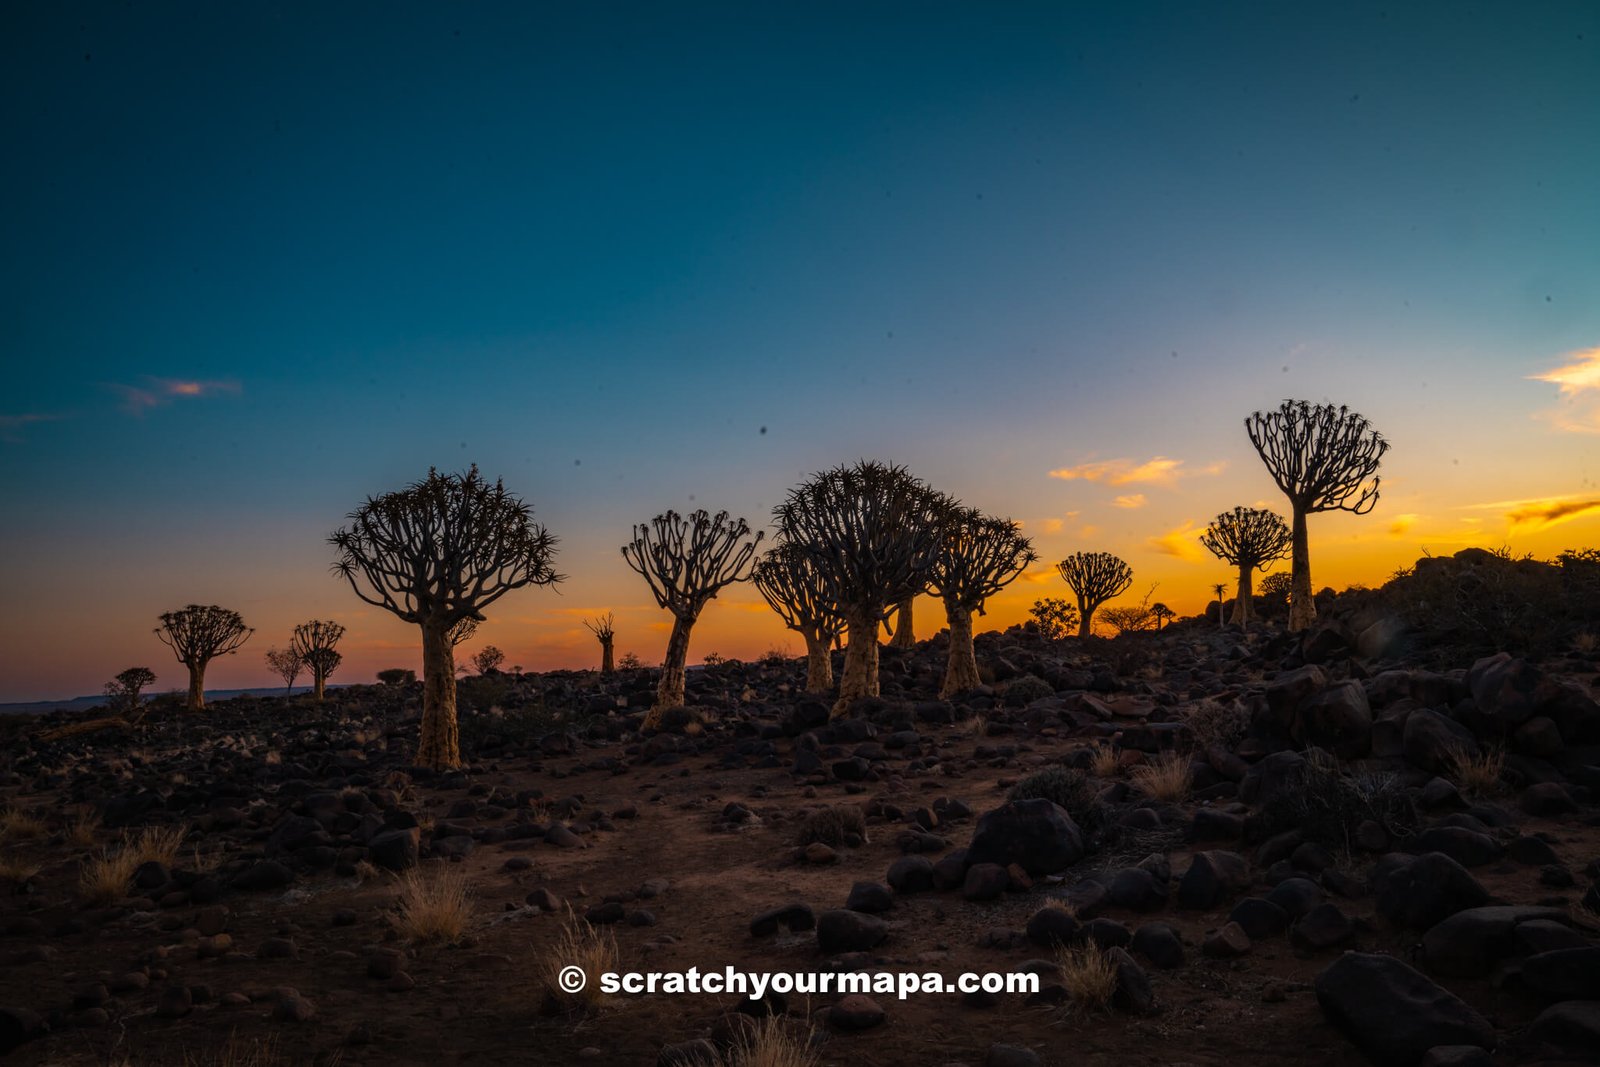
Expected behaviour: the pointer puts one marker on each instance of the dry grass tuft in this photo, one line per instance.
(580, 945)
(84, 829)
(16, 872)
(1167, 779)
(1105, 762)
(1585, 642)
(19, 825)
(434, 904)
(1090, 977)
(157, 843)
(1061, 904)
(772, 1043)
(832, 825)
(106, 875)
(258, 1052)
(975, 726)
(1477, 775)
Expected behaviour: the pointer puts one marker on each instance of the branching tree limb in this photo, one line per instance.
(1321, 457)
(1250, 539)
(979, 555)
(686, 562)
(1095, 577)
(788, 581)
(286, 664)
(436, 554)
(197, 635)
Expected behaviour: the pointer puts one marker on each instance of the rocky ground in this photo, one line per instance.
(1293, 849)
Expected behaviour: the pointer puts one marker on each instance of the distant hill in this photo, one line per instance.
(40, 707)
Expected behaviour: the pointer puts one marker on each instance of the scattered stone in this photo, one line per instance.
(849, 931)
(856, 1012)
(1393, 1013)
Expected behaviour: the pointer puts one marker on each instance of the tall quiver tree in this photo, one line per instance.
(1095, 577)
(871, 532)
(436, 553)
(604, 628)
(316, 643)
(686, 562)
(788, 581)
(197, 635)
(979, 555)
(1321, 457)
(1250, 539)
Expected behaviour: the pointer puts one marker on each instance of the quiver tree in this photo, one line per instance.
(197, 635)
(905, 636)
(1251, 539)
(286, 664)
(124, 691)
(1095, 577)
(1162, 614)
(316, 642)
(978, 556)
(436, 553)
(604, 628)
(686, 562)
(871, 533)
(1321, 457)
(788, 581)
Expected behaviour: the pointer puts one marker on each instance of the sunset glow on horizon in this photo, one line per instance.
(1048, 257)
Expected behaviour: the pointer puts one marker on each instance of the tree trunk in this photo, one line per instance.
(607, 663)
(819, 663)
(860, 661)
(440, 747)
(961, 669)
(319, 683)
(1085, 618)
(669, 693)
(905, 636)
(1302, 610)
(197, 686)
(1244, 599)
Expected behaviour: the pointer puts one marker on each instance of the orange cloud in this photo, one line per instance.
(1537, 514)
(1578, 384)
(1402, 523)
(1132, 500)
(1182, 542)
(1159, 470)
(136, 400)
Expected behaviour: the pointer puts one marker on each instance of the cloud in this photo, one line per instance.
(1182, 542)
(1402, 523)
(1132, 500)
(1052, 526)
(1159, 470)
(1578, 385)
(11, 426)
(156, 392)
(1536, 513)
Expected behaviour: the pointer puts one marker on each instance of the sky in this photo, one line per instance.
(261, 261)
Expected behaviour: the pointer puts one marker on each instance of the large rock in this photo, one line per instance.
(1338, 719)
(1507, 692)
(1469, 943)
(395, 850)
(1432, 741)
(1427, 891)
(1393, 1013)
(1565, 973)
(849, 931)
(1213, 878)
(1037, 835)
(1285, 696)
(1573, 1027)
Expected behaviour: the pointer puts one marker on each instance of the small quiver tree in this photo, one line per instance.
(286, 664)
(1321, 457)
(604, 628)
(1251, 539)
(124, 692)
(436, 553)
(197, 635)
(979, 555)
(1095, 577)
(686, 562)
(316, 642)
(487, 659)
(789, 583)
(871, 532)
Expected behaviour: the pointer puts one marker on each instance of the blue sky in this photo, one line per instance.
(263, 260)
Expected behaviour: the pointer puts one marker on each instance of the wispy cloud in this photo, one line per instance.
(1131, 500)
(156, 392)
(1402, 523)
(1182, 542)
(1578, 384)
(1537, 513)
(11, 426)
(1159, 470)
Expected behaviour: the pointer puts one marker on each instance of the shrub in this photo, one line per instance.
(772, 1042)
(397, 676)
(1089, 975)
(1104, 761)
(580, 945)
(1167, 779)
(1329, 804)
(832, 826)
(1020, 692)
(1055, 618)
(1069, 789)
(1476, 775)
(1215, 723)
(630, 662)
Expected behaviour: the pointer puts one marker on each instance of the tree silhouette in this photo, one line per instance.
(871, 532)
(316, 642)
(437, 553)
(1162, 614)
(197, 635)
(1221, 589)
(604, 628)
(1054, 617)
(1321, 457)
(462, 631)
(978, 556)
(487, 659)
(788, 581)
(1095, 577)
(286, 664)
(905, 635)
(1251, 539)
(124, 691)
(686, 562)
